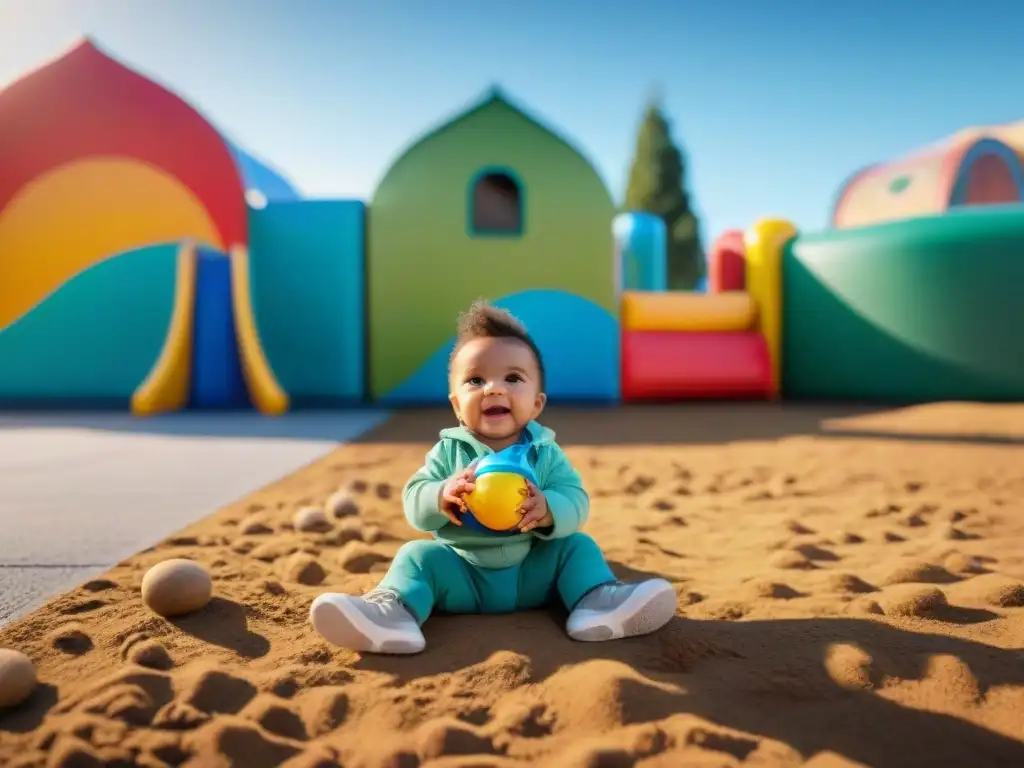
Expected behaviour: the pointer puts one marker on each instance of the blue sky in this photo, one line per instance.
(775, 102)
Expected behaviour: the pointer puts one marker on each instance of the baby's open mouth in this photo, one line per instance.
(497, 410)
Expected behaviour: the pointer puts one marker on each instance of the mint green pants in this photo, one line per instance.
(430, 575)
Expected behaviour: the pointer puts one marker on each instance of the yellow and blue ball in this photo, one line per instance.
(500, 488)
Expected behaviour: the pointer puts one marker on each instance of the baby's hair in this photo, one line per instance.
(483, 320)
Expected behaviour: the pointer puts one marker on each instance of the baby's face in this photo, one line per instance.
(495, 389)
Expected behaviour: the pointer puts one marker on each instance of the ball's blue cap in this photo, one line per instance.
(512, 459)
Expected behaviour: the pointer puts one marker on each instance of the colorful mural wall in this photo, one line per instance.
(308, 283)
(148, 263)
(107, 183)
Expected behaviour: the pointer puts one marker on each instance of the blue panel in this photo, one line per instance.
(308, 290)
(581, 366)
(641, 247)
(217, 380)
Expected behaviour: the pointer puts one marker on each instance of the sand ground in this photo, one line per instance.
(850, 592)
(126, 483)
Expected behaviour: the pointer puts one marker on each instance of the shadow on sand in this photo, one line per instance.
(775, 678)
(224, 623)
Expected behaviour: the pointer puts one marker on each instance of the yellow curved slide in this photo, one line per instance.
(166, 388)
(765, 243)
(266, 393)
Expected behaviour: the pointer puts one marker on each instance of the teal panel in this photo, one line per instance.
(96, 337)
(923, 309)
(308, 278)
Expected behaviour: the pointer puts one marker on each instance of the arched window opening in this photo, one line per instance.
(496, 205)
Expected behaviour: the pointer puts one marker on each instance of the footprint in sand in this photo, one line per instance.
(72, 639)
(145, 651)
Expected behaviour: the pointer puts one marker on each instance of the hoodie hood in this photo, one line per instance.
(538, 433)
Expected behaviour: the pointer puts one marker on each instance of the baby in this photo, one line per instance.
(496, 385)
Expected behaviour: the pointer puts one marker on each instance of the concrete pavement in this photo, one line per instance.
(80, 492)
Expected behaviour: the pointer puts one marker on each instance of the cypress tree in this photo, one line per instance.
(657, 184)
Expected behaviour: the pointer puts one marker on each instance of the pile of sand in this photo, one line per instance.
(842, 600)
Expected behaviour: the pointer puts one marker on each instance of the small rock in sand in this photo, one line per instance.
(356, 557)
(864, 606)
(994, 589)
(254, 526)
(303, 568)
(849, 537)
(958, 562)
(177, 586)
(797, 527)
(916, 572)
(311, 519)
(951, 532)
(353, 529)
(356, 485)
(350, 529)
(916, 600)
(274, 549)
(768, 589)
(145, 651)
(848, 583)
(790, 560)
(17, 677)
(341, 504)
(382, 491)
(849, 666)
(149, 653)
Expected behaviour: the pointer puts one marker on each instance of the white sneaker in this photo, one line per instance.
(620, 610)
(377, 622)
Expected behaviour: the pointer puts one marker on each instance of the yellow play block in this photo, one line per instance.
(684, 311)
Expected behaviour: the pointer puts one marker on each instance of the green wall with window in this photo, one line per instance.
(425, 264)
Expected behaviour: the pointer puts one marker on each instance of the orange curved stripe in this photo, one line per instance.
(65, 221)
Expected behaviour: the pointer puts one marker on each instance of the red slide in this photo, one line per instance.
(662, 365)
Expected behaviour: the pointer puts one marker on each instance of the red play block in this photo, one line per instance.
(706, 365)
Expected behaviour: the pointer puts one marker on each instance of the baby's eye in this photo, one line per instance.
(512, 378)
(475, 381)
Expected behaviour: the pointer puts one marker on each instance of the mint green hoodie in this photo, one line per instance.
(557, 479)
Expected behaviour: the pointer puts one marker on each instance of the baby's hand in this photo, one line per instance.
(535, 510)
(452, 502)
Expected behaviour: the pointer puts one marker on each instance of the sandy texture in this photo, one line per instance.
(126, 483)
(848, 593)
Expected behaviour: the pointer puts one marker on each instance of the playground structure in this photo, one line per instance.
(976, 167)
(146, 262)
(687, 345)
